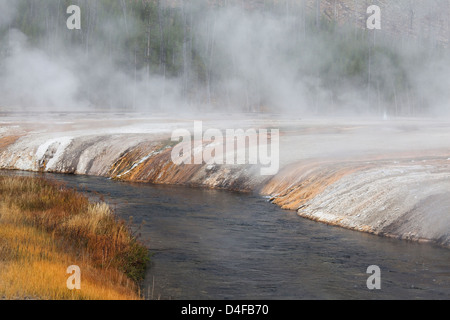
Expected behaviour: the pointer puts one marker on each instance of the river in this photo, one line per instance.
(213, 244)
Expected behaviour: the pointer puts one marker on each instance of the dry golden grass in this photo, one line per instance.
(45, 228)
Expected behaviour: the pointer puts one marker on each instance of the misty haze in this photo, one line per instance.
(224, 149)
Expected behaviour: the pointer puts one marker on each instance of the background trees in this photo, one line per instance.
(252, 56)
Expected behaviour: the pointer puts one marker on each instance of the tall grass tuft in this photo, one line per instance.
(45, 227)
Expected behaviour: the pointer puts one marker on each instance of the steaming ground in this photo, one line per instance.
(387, 177)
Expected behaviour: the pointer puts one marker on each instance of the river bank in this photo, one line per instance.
(389, 178)
(46, 227)
(215, 244)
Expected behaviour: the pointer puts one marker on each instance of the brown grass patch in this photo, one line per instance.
(46, 227)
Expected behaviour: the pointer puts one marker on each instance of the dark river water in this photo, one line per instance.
(209, 244)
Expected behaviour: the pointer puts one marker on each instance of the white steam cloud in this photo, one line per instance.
(232, 59)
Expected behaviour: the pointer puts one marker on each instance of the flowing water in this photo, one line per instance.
(209, 244)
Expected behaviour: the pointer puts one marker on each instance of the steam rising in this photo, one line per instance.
(31, 78)
(202, 57)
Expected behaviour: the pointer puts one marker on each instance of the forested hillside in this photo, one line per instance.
(302, 57)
